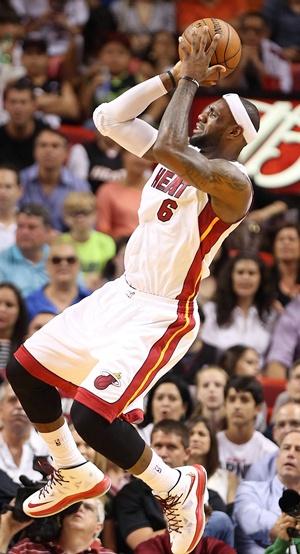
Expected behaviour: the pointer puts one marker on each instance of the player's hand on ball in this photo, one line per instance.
(196, 56)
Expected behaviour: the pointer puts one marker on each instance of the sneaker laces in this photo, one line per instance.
(55, 478)
(170, 507)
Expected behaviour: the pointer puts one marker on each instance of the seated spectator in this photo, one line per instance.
(48, 181)
(256, 510)
(11, 31)
(99, 161)
(115, 267)
(38, 321)
(240, 445)
(286, 269)
(139, 514)
(10, 192)
(240, 360)
(78, 532)
(292, 392)
(163, 51)
(143, 18)
(13, 323)
(59, 21)
(62, 290)
(242, 311)
(94, 249)
(160, 544)
(284, 19)
(55, 99)
(18, 135)
(262, 66)
(285, 419)
(189, 10)
(169, 398)
(203, 449)
(244, 361)
(100, 24)
(118, 202)
(19, 442)
(285, 343)
(24, 263)
(210, 384)
(109, 75)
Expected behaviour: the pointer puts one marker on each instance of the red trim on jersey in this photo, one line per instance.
(35, 368)
(206, 218)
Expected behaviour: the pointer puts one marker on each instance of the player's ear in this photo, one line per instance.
(236, 131)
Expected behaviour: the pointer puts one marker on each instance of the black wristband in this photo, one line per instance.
(191, 79)
(172, 78)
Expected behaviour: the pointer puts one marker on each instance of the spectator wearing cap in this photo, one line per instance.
(18, 135)
(24, 263)
(55, 99)
(48, 181)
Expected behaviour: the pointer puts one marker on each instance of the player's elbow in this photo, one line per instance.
(164, 152)
(102, 119)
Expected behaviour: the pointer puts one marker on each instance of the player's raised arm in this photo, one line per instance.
(223, 129)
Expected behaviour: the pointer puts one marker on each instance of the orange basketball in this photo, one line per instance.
(229, 48)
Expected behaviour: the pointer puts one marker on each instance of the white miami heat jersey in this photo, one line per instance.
(176, 239)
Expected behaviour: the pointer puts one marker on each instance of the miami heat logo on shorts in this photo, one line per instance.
(105, 379)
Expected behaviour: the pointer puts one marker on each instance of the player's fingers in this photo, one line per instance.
(202, 38)
(213, 45)
(183, 47)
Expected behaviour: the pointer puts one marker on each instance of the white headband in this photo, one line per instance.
(241, 116)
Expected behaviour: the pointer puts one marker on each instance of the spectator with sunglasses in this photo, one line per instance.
(63, 289)
(93, 248)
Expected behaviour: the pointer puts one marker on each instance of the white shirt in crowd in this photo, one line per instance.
(34, 446)
(239, 457)
(244, 329)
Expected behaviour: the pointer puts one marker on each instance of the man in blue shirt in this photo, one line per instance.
(256, 508)
(24, 263)
(48, 181)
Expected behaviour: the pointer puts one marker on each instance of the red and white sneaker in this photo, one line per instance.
(183, 507)
(65, 487)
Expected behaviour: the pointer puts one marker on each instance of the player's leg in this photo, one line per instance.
(181, 491)
(42, 404)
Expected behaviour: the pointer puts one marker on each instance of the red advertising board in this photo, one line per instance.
(273, 160)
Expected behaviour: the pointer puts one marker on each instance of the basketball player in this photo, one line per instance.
(109, 349)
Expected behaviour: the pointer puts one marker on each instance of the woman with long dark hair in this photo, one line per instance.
(170, 398)
(13, 323)
(203, 447)
(242, 311)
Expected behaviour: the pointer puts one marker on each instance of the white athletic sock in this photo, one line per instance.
(159, 476)
(62, 447)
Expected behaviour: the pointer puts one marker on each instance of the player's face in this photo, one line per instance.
(210, 126)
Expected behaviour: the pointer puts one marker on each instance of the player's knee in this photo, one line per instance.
(14, 372)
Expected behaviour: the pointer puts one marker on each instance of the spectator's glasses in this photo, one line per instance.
(295, 423)
(56, 260)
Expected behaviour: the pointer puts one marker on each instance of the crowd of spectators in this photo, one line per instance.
(69, 201)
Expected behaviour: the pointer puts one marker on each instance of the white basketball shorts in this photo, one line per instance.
(108, 350)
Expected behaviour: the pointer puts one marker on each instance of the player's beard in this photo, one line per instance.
(205, 141)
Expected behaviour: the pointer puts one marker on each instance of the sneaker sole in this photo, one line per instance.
(98, 490)
(200, 515)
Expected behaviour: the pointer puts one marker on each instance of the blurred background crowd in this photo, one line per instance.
(68, 205)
